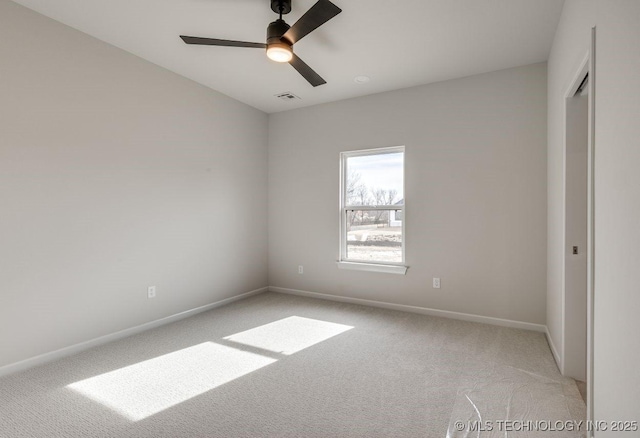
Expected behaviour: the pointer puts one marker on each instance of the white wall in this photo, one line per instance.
(570, 47)
(475, 192)
(116, 175)
(617, 191)
(617, 212)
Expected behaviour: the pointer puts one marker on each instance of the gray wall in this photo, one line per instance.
(570, 47)
(617, 191)
(617, 212)
(116, 175)
(475, 193)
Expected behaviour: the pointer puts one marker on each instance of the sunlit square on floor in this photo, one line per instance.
(289, 335)
(146, 388)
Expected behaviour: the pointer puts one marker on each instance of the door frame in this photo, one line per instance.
(587, 66)
(591, 226)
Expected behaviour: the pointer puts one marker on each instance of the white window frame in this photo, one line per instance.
(364, 265)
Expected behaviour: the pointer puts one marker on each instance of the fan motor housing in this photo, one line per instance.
(284, 4)
(275, 32)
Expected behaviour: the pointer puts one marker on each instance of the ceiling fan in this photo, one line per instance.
(281, 37)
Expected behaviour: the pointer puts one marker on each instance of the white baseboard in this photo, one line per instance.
(416, 309)
(552, 346)
(77, 348)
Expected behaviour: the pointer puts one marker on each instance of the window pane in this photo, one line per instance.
(374, 235)
(375, 179)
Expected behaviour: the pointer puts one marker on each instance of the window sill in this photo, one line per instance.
(372, 267)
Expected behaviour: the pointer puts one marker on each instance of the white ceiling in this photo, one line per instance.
(397, 44)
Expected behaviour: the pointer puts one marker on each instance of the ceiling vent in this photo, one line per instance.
(287, 95)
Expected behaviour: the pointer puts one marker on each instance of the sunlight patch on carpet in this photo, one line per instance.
(289, 335)
(146, 388)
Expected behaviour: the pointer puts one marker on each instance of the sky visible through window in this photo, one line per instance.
(380, 171)
(376, 181)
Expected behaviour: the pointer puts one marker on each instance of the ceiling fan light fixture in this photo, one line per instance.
(281, 37)
(279, 52)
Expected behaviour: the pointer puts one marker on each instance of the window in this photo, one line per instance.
(372, 210)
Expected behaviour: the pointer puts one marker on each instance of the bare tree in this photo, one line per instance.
(383, 197)
(379, 198)
(353, 182)
(362, 195)
(357, 194)
(391, 197)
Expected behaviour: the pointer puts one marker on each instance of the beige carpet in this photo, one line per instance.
(282, 366)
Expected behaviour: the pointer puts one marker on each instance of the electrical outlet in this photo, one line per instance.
(436, 283)
(300, 269)
(151, 292)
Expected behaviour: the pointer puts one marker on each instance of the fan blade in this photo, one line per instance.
(307, 72)
(217, 42)
(315, 17)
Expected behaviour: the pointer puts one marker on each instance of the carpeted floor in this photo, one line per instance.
(282, 366)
